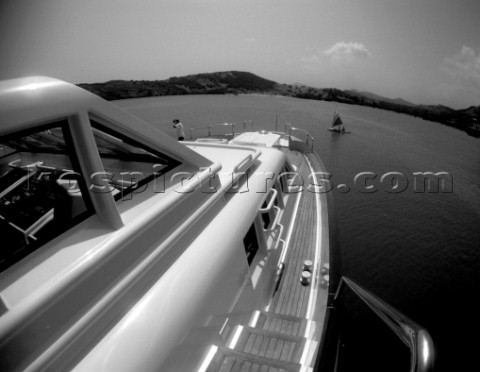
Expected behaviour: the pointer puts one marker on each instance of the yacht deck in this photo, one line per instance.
(292, 298)
(278, 337)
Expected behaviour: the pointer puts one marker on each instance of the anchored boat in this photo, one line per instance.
(125, 250)
(337, 124)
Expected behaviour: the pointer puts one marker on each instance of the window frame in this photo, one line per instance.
(95, 123)
(62, 123)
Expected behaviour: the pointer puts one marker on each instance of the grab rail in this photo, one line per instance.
(279, 227)
(273, 195)
(243, 165)
(422, 350)
(275, 220)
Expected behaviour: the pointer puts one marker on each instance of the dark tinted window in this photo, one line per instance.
(41, 191)
(250, 243)
(128, 164)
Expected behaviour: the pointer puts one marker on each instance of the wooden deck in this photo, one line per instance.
(292, 297)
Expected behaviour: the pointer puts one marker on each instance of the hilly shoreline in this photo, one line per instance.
(238, 82)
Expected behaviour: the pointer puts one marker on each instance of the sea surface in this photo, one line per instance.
(419, 251)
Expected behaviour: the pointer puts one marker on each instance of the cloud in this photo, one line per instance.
(311, 59)
(462, 70)
(346, 53)
(464, 67)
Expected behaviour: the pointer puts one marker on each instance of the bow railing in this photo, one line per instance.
(417, 338)
(302, 139)
(299, 139)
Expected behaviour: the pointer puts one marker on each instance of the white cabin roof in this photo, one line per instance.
(263, 138)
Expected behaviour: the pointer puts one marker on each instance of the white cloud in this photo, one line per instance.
(463, 86)
(464, 67)
(345, 53)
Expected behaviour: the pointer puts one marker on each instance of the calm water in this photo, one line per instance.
(418, 251)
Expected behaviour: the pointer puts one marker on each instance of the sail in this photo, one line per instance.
(336, 120)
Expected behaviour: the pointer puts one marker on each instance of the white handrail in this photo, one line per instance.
(273, 192)
(243, 165)
(279, 239)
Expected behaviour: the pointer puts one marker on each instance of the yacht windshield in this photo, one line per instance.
(128, 164)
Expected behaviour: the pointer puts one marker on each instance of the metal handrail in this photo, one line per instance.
(279, 227)
(247, 122)
(232, 125)
(210, 127)
(419, 341)
(289, 128)
(275, 224)
(272, 194)
(200, 128)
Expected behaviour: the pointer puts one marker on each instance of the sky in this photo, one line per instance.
(424, 51)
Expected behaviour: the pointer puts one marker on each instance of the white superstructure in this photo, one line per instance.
(124, 250)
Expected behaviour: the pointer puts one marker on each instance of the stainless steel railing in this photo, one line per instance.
(299, 139)
(247, 123)
(210, 129)
(193, 130)
(419, 341)
(224, 125)
(307, 144)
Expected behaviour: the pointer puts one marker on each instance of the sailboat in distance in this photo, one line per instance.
(337, 124)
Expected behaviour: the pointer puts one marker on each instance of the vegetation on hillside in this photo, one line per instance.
(238, 82)
(233, 82)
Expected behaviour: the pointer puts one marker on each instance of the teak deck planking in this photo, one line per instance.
(292, 297)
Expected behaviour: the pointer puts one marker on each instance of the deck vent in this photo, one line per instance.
(305, 277)
(307, 265)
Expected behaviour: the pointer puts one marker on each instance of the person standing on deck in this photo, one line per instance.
(179, 127)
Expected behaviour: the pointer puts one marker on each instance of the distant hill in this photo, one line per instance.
(234, 82)
(239, 82)
(398, 101)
